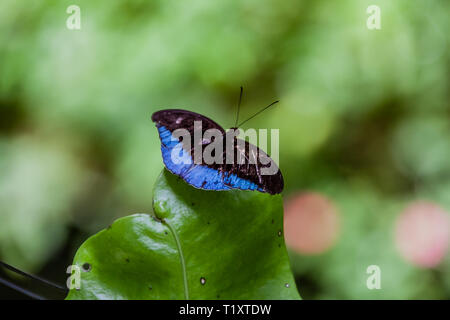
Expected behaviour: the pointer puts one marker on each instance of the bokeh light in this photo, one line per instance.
(311, 223)
(422, 234)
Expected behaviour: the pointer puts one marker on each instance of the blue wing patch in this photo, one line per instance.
(179, 162)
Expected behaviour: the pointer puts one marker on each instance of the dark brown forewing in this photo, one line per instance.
(174, 119)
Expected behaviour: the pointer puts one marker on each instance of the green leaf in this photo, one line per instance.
(198, 245)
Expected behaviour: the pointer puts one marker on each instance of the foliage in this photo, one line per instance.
(197, 245)
(363, 118)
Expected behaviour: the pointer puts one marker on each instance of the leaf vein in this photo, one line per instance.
(183, 264)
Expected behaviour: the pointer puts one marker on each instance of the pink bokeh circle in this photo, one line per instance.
(422, 234)
(311, 223)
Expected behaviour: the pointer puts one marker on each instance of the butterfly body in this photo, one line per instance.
(220, 175)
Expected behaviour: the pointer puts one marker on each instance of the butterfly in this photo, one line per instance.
(248, 163)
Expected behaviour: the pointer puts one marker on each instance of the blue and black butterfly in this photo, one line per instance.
(244, 175)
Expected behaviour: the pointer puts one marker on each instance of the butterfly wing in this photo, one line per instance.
(253, 167)
(198, 175)
(215, 176)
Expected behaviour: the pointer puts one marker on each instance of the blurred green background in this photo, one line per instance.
(364, 125)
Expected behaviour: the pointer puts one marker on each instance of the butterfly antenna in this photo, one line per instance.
(33, 277)
(21, 290)
(275, 102)
(239, 107)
